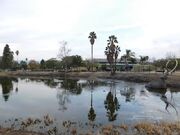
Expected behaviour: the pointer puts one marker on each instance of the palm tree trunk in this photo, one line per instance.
(91, 98)
(17, 62)
(126, 64)
(111, 67)
(114, 66)
(17, 58)
(92, 62)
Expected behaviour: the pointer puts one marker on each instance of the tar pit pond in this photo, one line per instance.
(50, 105)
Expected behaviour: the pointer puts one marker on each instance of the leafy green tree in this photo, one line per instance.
(51, 64)
(7, 58)
(92, 37)
(76, 61)
(71, 61)
(67, 62)
(103, 67)
(64, 52)
(87, 64)
(23, 65)
(15, 65)
(42, 64)
(33, 65)
(112, 51)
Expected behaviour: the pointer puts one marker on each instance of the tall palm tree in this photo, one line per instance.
(92, 37)
(17, 53)
(112, 39)
(129, 54)
(112, 51)
(143, 59)
(26, 60)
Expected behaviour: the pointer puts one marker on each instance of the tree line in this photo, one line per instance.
(7, 62)
(68, 62)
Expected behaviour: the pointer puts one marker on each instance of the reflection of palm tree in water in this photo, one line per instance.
(129, 93)
(165, 99)
(91, 114)
(111, 104)
(17, 86)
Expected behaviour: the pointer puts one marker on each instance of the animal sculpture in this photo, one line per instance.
(161, 82)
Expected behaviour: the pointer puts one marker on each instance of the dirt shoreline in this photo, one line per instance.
(138, 77)
(141, 128)
(10, 131)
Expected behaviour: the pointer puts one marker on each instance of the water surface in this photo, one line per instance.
(98, 101)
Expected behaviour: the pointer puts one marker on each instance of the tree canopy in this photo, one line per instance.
(112, 51)
(50, 64)
(143, 59)
(129, 56)
(72, 61)
(92, 37)
(42, 64)
(33, 65)
(23, 64)
(7, 58)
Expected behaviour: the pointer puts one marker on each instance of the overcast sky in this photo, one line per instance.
(35, 27)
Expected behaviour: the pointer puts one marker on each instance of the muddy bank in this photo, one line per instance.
(172, 81)
(9, 131)
(143, 128)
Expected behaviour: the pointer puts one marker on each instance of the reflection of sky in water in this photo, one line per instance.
(35, 99)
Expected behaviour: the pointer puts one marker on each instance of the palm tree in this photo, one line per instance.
(92, 37)
(129, 55)
(112, 52)
(26, 60)
(17, 53)
(143, 59)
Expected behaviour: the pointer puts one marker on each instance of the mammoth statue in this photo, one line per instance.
(161, 82)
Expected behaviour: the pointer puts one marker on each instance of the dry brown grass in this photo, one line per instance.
(143, 128)
(158, 129)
